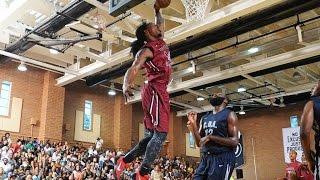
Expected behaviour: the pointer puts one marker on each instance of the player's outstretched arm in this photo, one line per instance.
(159, 18)
(128, 81)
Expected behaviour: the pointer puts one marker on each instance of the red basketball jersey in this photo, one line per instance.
(158, 68)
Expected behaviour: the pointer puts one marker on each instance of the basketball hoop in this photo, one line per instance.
(195, 9)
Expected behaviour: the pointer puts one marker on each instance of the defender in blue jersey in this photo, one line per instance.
(311, 120)
(217, 136)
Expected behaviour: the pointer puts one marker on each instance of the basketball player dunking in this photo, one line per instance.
(152, 54)
(217, 137)
(311, 119)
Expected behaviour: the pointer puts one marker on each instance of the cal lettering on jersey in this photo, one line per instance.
(205, 125)
(212, 124)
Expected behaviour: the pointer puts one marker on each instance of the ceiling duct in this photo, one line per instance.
(236, 27)
(48, 28)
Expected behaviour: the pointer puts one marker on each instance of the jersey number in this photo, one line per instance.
(208, 131)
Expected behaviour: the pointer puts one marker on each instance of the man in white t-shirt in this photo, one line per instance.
(6, 166)
(99, 143)
(90, 151)
(55, 156)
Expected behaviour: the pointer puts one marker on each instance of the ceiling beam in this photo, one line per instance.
(303, 71)
(62, 57)
(214, 19)
(253, 79)
(175, 19)
(196, 93)
(113, 60)
(184, 105)
(85, 53)
(38, 63)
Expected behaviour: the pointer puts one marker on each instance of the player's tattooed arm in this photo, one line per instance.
(128, 81)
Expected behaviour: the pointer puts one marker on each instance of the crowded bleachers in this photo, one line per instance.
(29, 158)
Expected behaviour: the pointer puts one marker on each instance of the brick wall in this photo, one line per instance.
(52, 108)
(29, 87)
(176, 136)
(122, 124)
(75, 96)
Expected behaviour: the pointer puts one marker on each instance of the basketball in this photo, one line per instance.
(163, 3)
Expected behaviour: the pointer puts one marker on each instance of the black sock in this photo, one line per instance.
(144, 170)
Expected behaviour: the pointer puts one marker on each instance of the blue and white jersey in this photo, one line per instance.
(217, 125)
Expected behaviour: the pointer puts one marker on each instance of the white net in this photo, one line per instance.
(195, 9)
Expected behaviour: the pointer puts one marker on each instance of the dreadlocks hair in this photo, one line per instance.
(141, 38)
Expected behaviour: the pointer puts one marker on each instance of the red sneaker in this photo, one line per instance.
(140, 177)
(120, 167)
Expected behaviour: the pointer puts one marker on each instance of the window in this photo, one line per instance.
(87, 118)
(5, 98)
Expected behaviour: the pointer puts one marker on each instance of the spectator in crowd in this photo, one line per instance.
(8, 138)
(99, 143)
(293, 166)
(296, 170)
(156, 173)
(169, 168)
(34, 160)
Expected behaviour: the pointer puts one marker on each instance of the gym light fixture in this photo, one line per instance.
(112, 92)
(53, 51)
(282, 102)
(22, 67)
(193, 65)
(253, 50)
(242, 112)
(200, 98)
(190, 69)
(241, 89)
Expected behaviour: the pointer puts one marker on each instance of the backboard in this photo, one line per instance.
(117, 7)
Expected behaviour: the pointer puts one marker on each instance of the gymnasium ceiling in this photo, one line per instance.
(263, 73)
